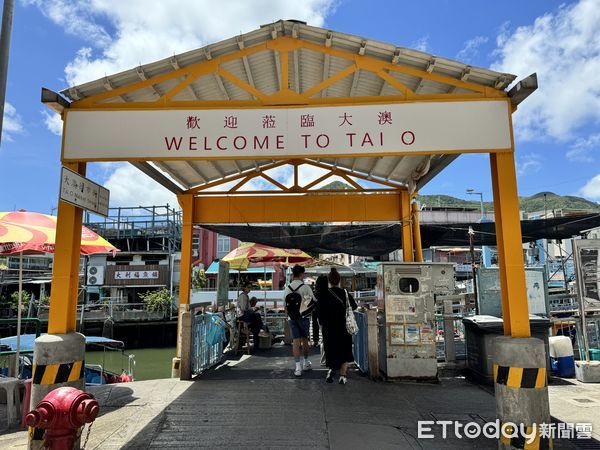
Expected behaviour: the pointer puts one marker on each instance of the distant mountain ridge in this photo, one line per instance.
(530, 204)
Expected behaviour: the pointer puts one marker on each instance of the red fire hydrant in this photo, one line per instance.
(62, 412)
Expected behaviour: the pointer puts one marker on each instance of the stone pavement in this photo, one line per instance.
(256, 402)
(575, 402)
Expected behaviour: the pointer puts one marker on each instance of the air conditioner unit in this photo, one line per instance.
(95, 276)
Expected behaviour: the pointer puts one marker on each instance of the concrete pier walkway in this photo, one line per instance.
(256, 402)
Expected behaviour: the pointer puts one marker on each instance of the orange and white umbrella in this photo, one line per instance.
(24, 231)
(250, 254)
(254, 255)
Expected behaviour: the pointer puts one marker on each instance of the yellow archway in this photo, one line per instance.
(290, 67)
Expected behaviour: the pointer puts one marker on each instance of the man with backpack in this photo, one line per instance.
(299, 303)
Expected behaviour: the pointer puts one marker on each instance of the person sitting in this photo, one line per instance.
(247, 312)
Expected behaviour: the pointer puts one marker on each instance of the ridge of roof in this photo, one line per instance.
(298, 29)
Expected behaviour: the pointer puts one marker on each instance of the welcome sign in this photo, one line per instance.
(425, 127)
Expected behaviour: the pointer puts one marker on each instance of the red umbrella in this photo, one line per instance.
(29, 231)
(25, 232)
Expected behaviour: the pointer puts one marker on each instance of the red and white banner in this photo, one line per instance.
(426, 127)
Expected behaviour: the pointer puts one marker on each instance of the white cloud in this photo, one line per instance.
(121, 35)
(421, 44)
(471, 48)
(583, 148)
(75, 18)
(285, 175)
(53, 122)
(130, 187)
(528, 164)
(11, 124)
(592, 189)
(563, 47)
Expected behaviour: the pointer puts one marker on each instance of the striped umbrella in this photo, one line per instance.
(251, 254)
(24, 231)
(29, 232)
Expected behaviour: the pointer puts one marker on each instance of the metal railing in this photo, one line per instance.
(458, 336)
(360, 349)
(205, 355)
(276, 323)
(362, 294)
(118, 311)
(563, 302)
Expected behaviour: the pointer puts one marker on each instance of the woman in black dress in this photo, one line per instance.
(331, 306)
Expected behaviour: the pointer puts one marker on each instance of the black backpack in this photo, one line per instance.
(292, 302)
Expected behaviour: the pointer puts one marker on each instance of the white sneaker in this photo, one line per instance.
(298, 371)
(343, 380)
(307, 365)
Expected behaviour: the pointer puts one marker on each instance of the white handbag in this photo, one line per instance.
(351, 325)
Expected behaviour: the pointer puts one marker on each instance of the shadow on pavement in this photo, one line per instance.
(256, 402)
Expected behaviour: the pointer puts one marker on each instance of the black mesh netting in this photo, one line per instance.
(381, 239)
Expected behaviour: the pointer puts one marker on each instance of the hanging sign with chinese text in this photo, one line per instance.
(136, 275)
(84, 193)
(404, 128)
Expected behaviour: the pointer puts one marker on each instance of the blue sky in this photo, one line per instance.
(56, 43)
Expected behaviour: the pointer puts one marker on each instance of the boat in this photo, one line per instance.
(95, 374)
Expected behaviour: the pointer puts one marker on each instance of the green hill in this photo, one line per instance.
(553, 201)
(528, 204)
(337, 185)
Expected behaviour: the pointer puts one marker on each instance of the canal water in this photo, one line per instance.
(150, 363)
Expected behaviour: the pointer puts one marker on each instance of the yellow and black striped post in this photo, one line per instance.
(58, 360)
(58, 373)
(520, 384)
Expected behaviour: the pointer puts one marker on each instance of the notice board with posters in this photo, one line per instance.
(489, 297)
(587, 268)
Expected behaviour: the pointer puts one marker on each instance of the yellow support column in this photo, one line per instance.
(510, 249)
(524, 403)
(407, 235)
(186, 201)
(65, 272)
(181, 367)
(62, 347)
(416, 231)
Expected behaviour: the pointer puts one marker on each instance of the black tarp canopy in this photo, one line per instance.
(383, 238)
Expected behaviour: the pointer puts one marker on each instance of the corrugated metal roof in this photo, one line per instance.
(307, 68)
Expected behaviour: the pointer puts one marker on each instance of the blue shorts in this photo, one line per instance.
(299, 328)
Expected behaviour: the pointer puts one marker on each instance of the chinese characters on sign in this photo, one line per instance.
(385, 117)
(83, 193)
(307, 121)
(136, 275)
(345, 119)
(230, 122)
(269, 121)
(193, 122)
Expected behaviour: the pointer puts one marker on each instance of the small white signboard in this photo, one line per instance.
(84, 193)
(136, 275)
